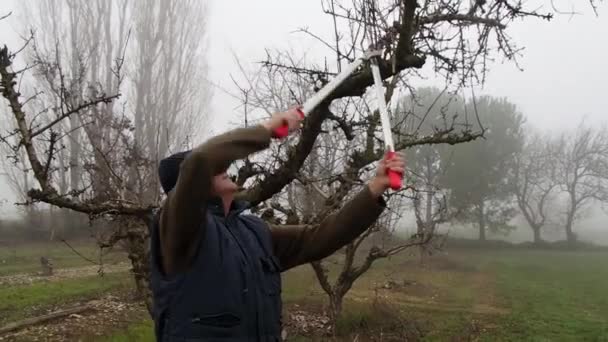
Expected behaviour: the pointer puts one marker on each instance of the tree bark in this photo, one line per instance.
(573, 207)
(570, 236)
(537, 238)
(482, 222)
(335, 309)
(139, 253)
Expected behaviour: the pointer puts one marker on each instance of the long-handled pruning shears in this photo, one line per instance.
(317, 98)
(394, 177)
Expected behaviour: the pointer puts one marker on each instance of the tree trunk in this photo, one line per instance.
(572, 208)
(425, 229)
(335, 310)
(482, 232)
(138, 253)
(537, 238)
(136, 243)
(482, 222)
(429, 205)
(571, 237)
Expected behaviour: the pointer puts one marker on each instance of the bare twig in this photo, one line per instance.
(78, 109)
(6, 15)
(45, 318)
(79, 254)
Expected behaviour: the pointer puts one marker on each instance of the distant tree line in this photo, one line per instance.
(516, 169)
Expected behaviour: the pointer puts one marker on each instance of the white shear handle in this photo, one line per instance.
(329, 88)
(394, 177)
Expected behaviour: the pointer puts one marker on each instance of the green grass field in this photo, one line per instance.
(482, 295)
(26, 258)
(21, 301)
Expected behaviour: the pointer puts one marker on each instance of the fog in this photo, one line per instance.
(498, 231)
(563, 77)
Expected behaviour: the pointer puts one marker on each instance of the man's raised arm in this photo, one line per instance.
(296, 245)
(184, 210)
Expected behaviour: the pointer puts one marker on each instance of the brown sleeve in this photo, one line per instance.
(297, 245)
(184, 210)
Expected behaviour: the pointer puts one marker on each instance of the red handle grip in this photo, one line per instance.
(394, 177)
(283, 131)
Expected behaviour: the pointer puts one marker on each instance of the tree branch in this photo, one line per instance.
(406, 31)
(115, 207)
(51, 153)
(7, 84)
(6, 15)
(289, 168)
(47, 193)
(321, 274)
(83, 106)
(467, 18)
(344, 126)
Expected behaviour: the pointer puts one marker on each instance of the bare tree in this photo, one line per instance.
(582, 171)
(458, 37)
(430, 201)
(170, 97)
(79, 140)
(535, 181)
(330, 169)
(429, 109)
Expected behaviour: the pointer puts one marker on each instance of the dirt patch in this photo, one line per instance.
(302, 321)
(110, 313)
(485, 300)
(63, 274)
(412, 288)
(383, 323)
(443, 262)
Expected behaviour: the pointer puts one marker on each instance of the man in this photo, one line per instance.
(216, 274)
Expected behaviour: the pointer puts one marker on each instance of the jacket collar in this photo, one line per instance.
(215, 206)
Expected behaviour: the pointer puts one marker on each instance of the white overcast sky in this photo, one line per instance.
(565, 61)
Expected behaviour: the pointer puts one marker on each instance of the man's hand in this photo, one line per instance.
(380, 183)
(291, 117)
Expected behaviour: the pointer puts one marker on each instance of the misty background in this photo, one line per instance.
(563, 77)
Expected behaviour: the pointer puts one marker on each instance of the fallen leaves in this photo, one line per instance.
(109, 313)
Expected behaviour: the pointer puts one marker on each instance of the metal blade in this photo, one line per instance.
(386, 124)
(322, 94)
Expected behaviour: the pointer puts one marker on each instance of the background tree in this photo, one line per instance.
(535, 180)
(89, 151)
(582, 171)
(456, 38)
(478, 176)
(410, 33)
(429, 109)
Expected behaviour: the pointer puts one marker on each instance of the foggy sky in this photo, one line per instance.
(564, 60)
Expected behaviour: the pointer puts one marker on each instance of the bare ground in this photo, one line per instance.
(118, 311)
(109, 313)
(63, 274)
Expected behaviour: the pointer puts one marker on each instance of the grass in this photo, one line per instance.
(519, 295)
(553, 296)
(26, 258)
(484, 295)
(139, 332)
(22, 301)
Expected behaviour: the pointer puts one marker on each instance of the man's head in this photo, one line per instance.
(222, 185)
(168, 172)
